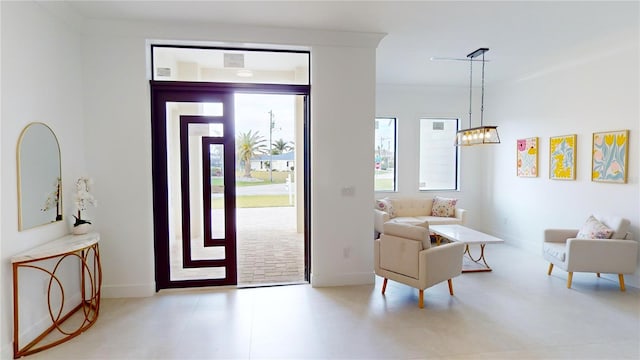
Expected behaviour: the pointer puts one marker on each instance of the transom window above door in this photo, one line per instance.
(222, 65)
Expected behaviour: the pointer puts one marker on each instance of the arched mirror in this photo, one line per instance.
(39, 177)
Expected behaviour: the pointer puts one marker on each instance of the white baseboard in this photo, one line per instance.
(364, 278)
(128, 291)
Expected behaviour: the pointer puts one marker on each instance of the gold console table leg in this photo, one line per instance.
(90, 285)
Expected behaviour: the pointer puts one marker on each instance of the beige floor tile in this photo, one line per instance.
(514, 312)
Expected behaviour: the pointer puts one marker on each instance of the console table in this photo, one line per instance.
(83, 248)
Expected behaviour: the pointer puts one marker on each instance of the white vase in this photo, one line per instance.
(81, 229)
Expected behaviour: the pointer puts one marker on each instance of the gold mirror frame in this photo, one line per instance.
(39, 177)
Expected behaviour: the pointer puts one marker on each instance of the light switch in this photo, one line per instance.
(348, 190)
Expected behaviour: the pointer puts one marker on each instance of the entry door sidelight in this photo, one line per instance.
(208, 192)
(194, 186)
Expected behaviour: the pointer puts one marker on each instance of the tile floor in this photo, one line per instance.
(514, 312)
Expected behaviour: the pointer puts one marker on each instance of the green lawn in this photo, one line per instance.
(279, 177)
(384, 184)
(256, 201)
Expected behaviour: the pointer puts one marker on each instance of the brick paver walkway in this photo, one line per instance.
(269, 249)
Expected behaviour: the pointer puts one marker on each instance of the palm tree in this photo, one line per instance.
(249, 146)
(281, 146)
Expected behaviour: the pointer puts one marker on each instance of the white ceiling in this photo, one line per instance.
(523, 37)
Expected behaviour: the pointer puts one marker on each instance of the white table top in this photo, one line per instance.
(63, 245)
(464, 234)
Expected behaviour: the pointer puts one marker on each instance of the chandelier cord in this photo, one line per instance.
(470, 87)
(482, 96)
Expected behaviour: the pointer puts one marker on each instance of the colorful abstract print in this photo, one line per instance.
(610, 156)
(528, 157)
(562, 157)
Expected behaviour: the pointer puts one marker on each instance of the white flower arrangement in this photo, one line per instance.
(53, 199)
(83, 199)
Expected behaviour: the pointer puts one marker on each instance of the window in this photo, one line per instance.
(385, 154)
(438, 155)
(227, 65)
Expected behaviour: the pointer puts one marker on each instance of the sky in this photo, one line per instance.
(252, 113)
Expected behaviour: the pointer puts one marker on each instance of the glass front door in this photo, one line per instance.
(205, 204)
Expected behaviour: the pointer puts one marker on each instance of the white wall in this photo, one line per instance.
(591, 88)
(342, 135)
(41, 81)
(118, 137)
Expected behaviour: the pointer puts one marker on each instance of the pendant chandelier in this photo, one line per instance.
(483, 134)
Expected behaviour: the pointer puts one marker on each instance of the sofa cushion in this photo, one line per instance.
(555, 250)
(445, 207)
(411, 220)
(594, 229)
(431, 220)
(386, 206)
(416, 231)
(439, 220)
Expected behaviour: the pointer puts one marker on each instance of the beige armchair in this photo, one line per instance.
(615, 255)
(403, 253)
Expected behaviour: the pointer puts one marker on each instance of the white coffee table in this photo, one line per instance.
(467, 236)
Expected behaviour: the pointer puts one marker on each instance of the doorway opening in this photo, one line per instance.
(230, 175)
(269, 213)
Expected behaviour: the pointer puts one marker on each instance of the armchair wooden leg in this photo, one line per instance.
(421, 299)
(569, 278)
(450, 287)
(621, 279)
(550, 269)
(384, 285)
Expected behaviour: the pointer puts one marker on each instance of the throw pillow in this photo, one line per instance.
(385, 205)
(594, 229)
(444, 207)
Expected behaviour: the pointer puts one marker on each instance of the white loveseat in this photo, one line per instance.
(413, 210)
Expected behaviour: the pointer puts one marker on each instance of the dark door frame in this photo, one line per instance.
(178, 91)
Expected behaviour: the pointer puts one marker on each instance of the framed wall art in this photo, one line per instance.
(562, 157)
(527, 157)
(609, 156)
